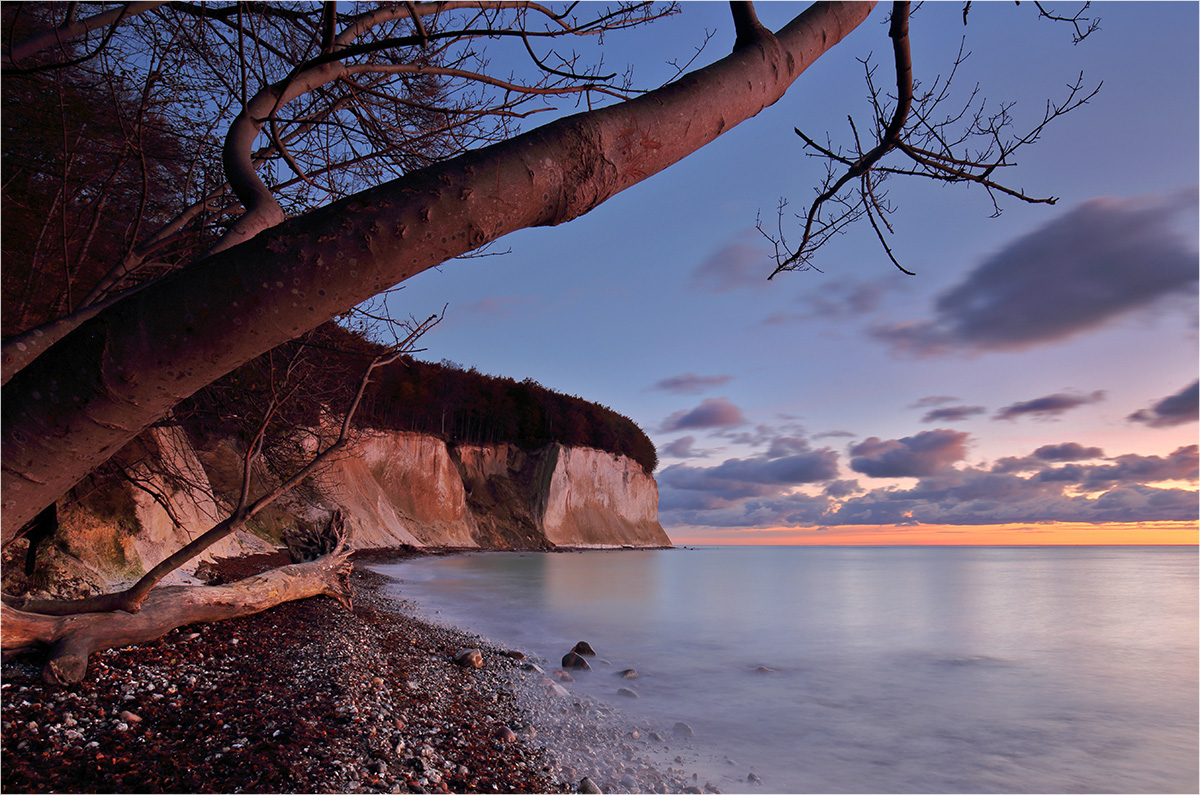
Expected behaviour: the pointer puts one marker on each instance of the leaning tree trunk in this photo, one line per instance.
(72, 639)
(88, 395)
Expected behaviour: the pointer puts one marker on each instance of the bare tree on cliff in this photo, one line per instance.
(310, 100)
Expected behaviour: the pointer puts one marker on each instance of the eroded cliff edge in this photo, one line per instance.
(394, 487)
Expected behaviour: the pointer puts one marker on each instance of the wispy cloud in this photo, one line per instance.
(690, 383)
(738, 265)
(1048, 407)
(682, 448)
(1177, 409)
(711, 413)
(837, 300)
(953, 413)
(1099, 261)
(494, 307)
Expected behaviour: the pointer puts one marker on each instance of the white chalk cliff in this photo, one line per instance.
(395, 488)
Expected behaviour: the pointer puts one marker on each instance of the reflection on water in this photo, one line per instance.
(892, 669)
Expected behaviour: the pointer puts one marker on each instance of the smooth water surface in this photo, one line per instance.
(893, 669)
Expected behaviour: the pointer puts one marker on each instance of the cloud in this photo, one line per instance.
(682, 448)
(1047, 407)
(953, 413)
(494, 307)
(690, 383)
(933, 400)
(1067, 451)
(751, 492)
(761, 491)
(1177, 409)
(975, 497)
(1101, 260)
(926, 453)
(736, 265)
(837, 300)
(711, 413)
(1179, 465)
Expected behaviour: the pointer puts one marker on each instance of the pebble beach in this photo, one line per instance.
(310, 697)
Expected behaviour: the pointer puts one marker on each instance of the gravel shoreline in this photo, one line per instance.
(310, 697)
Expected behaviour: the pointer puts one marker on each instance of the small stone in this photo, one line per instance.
(628, 673)
(558, 690)
(129, 717)
(573, 660)
(375, 680)
(753, 778)
(693, 791)
(563, 676)
(469, 658)
(762, 669)
(537, 669)
(625, 691)
(658, 738)
(629, 782)
(587, 785)
(505, 735)
(516, 655)
(377, 766)
(583, 647)
(683, 729)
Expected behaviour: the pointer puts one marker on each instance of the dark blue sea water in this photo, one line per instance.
(893, 669)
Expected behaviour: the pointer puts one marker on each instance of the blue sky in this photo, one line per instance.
(858, 395)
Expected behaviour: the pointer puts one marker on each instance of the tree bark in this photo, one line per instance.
(97, 388)
(72, 639)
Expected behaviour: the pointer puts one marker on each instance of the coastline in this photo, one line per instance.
(309, 697)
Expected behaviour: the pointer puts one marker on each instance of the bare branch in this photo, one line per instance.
(971, 145)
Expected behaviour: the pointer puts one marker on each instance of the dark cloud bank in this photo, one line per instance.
(1099, 261)
(1066, 482)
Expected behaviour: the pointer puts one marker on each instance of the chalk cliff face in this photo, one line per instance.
(588, 498)
(406, 488)
(395, 488)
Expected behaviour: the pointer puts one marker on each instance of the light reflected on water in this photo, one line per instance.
(945, 669)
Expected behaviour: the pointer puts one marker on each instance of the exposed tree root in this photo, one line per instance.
(72, 639)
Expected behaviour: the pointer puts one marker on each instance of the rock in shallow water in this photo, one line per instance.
(469, 658)
(574, 661)
(587, 785)
(625, 691)
(628, 673)
(683, 729)
(583, 647)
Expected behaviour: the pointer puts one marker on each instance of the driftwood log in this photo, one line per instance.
(72, 639)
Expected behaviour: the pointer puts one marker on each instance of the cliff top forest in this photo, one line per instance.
(444, 400)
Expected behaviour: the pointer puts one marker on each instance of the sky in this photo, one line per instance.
(1035, 382)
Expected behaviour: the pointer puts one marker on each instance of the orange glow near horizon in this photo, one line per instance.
(1050, 534)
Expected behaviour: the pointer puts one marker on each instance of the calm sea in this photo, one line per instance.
(892, 669)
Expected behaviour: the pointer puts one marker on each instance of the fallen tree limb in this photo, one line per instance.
(72, 639)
